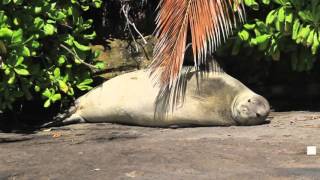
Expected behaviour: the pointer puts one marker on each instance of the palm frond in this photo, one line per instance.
(210, 22)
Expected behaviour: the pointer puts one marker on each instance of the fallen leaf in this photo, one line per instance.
(56, 135)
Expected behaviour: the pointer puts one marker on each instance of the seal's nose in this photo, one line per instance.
(262, 112)
(260, 105)
(258, 115)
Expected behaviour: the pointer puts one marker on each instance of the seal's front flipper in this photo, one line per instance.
(73, 119)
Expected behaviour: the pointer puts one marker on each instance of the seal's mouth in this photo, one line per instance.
(250, 110)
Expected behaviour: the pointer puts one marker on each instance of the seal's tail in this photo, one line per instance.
(73, 119)
(66, 118)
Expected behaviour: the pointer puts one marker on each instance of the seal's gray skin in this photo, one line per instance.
(218, 100)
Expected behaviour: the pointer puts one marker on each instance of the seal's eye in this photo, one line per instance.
(249, 100)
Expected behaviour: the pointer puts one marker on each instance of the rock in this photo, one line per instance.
(235, 152)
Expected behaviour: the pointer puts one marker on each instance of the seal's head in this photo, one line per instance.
(250, 109)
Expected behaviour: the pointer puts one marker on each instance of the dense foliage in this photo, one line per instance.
(280, 29)
(44, 50)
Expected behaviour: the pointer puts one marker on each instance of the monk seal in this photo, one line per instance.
(218, 100)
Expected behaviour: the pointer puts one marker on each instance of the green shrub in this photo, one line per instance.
(280, 29)
(44, 50)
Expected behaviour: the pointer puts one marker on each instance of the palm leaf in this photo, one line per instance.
(210, 23)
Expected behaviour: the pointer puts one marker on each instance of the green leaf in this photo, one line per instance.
(271, 17)
(16, 21)
(289, 18)
(5, 2)
(90, 36)
(281, 14)
(51, 21)
(12, 77)
(84, 85)
(100, 65)
(280, 2)
(7, 71)
(263, 38)
(3, 17)
(244, 35)
(69, 11)
(53, 6)
(249, 26)
(19, 61)
(60, 16)
(62, 60)
(26, 52)
(315, 44)
(253, 42)
(267, 2)
(85, 8)
(68, 39)
(18, 2)
(252, 4)
(77, 60)
(261, 26)
(63, 86)
(37, 9)
(310, 38)
(295, 29)
(35, 44)
(55, 97)
(47, 93)
(279, 25)
(38, 22)
(17, 36)
(56, 72)
(71, 91)
(5, 32)
(22, 72)
(37, 88)
(97, 53)
(305, 15)
(49, 29)
(47, 103)
(304, 32)
(81, 47)
(86, 81)
(97, 3)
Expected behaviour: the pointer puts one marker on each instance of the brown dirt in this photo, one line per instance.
(108, 151)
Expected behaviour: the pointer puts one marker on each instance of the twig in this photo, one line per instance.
(134, 39)
(125, 9)
(92, 67)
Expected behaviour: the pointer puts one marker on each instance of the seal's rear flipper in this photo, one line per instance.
(73, 119)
